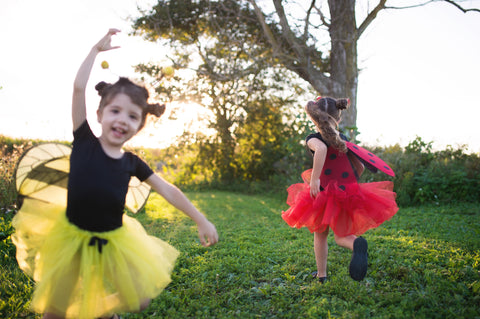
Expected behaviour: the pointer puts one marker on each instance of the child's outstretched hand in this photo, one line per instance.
(105, 43)
(206, 230)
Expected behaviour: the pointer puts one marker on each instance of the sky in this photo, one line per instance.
(419, 71)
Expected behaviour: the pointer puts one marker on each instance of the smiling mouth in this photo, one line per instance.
(118, 132)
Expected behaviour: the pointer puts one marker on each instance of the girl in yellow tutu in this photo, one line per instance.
(91, 260)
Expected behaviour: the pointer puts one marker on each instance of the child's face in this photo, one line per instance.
(120, 120)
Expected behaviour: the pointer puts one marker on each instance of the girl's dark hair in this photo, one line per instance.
(325, 113)
(138, 94)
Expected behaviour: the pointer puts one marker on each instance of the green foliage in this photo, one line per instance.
(351, 133)
(250, 97)
(261, 141)
(269, 156)
(255, 148)
(260, 36)
(423, 263)
(15, 287)
(10, 152)
(270, 163)
(426, 176)
(186, 21)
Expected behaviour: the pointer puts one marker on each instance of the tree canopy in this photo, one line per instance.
(250, 57)
(315, 39)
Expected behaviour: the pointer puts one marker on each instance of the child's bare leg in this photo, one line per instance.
(359, 263)
(345, 242)
(145, 304)
(320, 246)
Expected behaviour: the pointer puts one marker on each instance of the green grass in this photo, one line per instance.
(424, 263)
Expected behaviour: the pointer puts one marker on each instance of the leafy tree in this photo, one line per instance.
(252, 54)
(315, 39)
(236, 79)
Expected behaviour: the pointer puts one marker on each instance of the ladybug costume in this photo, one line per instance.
(343, 204)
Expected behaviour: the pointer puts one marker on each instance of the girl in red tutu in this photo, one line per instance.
(89, 259)
(332, 198)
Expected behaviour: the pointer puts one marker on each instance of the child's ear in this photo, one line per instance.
(99, 116)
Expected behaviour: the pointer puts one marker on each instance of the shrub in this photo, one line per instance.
(426, 176)
(423, 176)
(10, 152)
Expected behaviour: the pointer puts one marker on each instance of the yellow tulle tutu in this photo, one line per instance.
(82, 274)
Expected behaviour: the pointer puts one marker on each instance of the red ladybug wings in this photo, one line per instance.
(370, 159)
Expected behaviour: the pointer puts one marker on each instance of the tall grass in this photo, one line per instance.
(424, 263)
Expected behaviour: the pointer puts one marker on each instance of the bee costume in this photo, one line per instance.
(87, 257)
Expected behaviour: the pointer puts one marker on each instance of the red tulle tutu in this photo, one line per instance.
(353, 211)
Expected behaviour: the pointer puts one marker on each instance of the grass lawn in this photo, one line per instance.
(424, 263)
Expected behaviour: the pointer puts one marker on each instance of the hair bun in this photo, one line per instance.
(123, 81)
(342, 104)
(156, 109)
(101, 87)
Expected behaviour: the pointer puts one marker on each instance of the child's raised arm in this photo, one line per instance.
(79, 112)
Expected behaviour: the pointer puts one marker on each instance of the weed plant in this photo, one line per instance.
(9, 155)
(423, 263)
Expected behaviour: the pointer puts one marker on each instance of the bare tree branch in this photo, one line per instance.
(266, 30)
(299, 63)
(307, 21)
(382, 5)
(454, 3)
(322, 17)
(460, 7)
(276, 48)
(371, 16)
(287, 32)
(412, 6)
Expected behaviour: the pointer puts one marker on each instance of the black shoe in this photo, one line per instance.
(320, 279)
(359, 263)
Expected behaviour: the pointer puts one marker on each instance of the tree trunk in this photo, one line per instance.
(343, 78)
(343, 56)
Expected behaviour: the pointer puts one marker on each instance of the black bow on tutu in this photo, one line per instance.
(99, 241)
